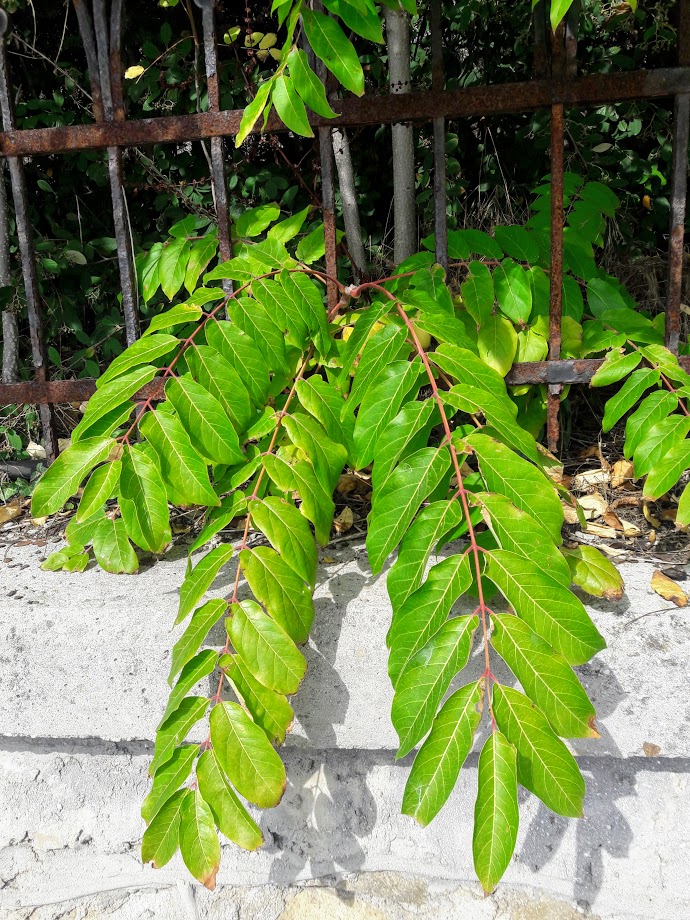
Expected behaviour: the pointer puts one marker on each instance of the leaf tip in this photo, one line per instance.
(209, 881)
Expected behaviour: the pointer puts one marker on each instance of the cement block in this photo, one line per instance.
(86, 656)
(70, 829)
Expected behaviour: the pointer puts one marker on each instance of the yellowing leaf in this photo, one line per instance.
(669, 589)
(133, 72)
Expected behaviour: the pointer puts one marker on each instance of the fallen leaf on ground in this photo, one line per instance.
(10, 511)
(646, 510)
(621, 473)
(590, 478)
(651, 750)
(668, 589)
(612, 520)
(36, 451)
(599, 530)
(629, 530)
(345, 520)
(593, 505)
(668, 514)
(589, 453)
(347, 483)
(570, 514)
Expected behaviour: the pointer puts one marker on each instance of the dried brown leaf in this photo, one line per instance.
(621, 473)
(593, 505)
(668, 589)
(10, 511)
(650, 749)
(344, 521)
(589, 478)
(599, 530)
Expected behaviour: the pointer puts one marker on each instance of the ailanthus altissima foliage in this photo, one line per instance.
(260, 400)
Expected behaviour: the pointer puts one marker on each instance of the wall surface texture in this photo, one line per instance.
(82, 687)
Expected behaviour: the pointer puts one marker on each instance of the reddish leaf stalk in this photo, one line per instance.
(474, 547)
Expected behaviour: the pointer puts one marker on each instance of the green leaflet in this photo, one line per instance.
(111, 397)
(246, 756)
(179, 315)
(203, 251)
(546, 677)
(64, 476)
(513, 291)
(231, 506)
(666, 474)
(168, 780)
(308, 85)
(518, 243)
(437, 765)
(195, 670)
(317, 505)
(175, 729)
(219, 377)
(172, 265)
(100, 487)
(282, 592)
(144, 351)
(112, 549)
(381, 404)
(628, 395)
(204, 419)
(328, 458)
(465, 367)
(404, 435)
(497, 343)
(252, 112)
(526, 486)
(191, 639)
(477, 292)
(199, 842)
(615, 367)
(290, 107)
(252, 319)
(199, 579)
(424, 681)
(394, 508)
(550, 609)
(517, 531)
(425, 611)
(143, 502)
(336, 51)
(354, 345)
(288, 533)
(326, 405)
(230, 815)
(475, 401)
(594, 573)
(162, 836)
(361, 16)
(305, 296)
(270, 710)
(652, 410)
(545, 766)
(428, 530)
(683, 513)
(183, 471)
(658, 441)
(242, 353)
(381, 349)
(266, 648)
(496, 815)
(271, 295)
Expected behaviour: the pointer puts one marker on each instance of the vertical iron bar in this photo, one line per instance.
(219, 177)
(103, 60)
(26, 246)
(679, 187)
(556, 274)
(327, 166)
(437, 81)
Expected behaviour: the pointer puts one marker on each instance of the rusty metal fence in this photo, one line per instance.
(556, 86)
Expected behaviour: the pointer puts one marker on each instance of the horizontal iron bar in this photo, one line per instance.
(72, 391)
(472, 101)
(578, 370)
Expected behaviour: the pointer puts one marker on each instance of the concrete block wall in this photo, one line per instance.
(82, 687)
